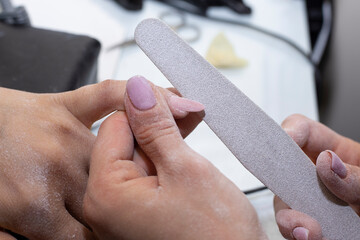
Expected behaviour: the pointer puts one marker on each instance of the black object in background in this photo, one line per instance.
(43, 61)
(202, 6)
(132, 5)
(13, 15)
(315, 18)
(198, 6)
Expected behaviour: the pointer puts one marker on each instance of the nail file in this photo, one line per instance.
(256, 140)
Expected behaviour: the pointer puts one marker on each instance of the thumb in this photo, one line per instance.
(340, 178)
(153, 125)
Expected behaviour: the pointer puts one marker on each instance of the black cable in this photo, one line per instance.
(255, 190)
(204, 14)
(313, 58)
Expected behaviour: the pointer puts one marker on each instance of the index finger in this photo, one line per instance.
(314, 138)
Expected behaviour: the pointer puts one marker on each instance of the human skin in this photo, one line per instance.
(185, 198)
(337, 160)
(45, 148)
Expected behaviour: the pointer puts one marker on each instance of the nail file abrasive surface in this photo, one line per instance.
(253, 137)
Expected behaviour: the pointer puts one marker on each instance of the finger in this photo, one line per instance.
(180, 107)
(189, 123)
(153, 125)
(144, 162)
(314, 137)
(293, 224)
(279, 204)
(6, 236)
(296, 225)
(92, 102)
(340, 178)
(191, 114)
(113, 151)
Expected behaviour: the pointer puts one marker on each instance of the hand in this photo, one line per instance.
(187, 198)
(45, 148)
(338, 165)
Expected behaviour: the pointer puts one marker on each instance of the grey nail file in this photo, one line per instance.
(253, 137)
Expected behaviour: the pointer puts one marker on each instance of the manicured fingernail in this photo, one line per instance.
(185, 105)
(140, 93)
(337, 166)
(301, 233)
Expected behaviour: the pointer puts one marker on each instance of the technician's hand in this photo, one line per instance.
(45, 148)
(338, 165)
(188, 198)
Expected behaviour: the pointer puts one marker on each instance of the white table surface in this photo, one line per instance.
(277, 77)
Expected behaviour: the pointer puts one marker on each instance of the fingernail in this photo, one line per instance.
(337, 166)
(140, 93)
(301, 233)
(185, 105)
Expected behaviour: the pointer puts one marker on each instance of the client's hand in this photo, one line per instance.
(45, 148)
(338, 165)
(186, 198)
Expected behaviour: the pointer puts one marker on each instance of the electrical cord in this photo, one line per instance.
(255, 190)
(313, 58)
(324, 35)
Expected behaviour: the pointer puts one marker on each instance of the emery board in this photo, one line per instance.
(256, 140)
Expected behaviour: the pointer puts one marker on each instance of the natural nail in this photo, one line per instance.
(301, 233)
(337, 166)
(185, 105)
(140, 93)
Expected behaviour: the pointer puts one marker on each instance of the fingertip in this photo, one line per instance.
(140, 93)
(179, 106)
(340, 178)
(114, 141)
(296, 225)
(151, 120)
(301, 233)
(298, 128)
(116, 124)
(157, 132)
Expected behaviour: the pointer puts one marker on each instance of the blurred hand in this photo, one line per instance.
(186, 198)
(45, 148)
(337, 162)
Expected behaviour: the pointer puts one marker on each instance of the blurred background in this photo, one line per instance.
(288, 56)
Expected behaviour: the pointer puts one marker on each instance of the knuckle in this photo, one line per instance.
(107, 85)
(63, 129)
(149, 134)
(110, 92)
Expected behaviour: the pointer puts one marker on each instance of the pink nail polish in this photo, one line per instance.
(140, 93)
(185, 105)
(337, 166)
(301, 233)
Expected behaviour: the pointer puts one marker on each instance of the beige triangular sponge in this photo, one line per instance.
(221, 54)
